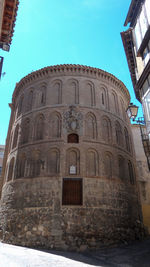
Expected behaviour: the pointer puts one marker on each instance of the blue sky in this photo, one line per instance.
(48, 32)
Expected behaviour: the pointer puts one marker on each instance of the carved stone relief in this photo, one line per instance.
(73, 120)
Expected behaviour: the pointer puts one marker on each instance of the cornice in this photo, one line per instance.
(8, 21)
(70, 69)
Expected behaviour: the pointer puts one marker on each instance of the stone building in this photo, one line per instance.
(69, 176)
(136, 41)
(143, 175)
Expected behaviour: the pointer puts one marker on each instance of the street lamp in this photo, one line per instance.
(132, 111)
(132, 114)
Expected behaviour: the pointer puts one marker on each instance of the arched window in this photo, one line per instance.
(127, 140)
(72, 95)
(103, 98)
(10, 170)
(55, 125)
(25, 131)
(30, 100)
(56, 92)
(15, 139)
(131, 173)
(115, 107)
(39, 128)
(108, 165)
(35, 164)
(106, 129)
(43, 95)
(53, 161)
(21, 163)
(119, 136)
(121, 165)
(73, 161)
(73, 138)
(72, 92)
(90, 126)
(90, 94)
(92, 163)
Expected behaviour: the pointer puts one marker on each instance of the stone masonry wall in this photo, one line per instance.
(69, 129)
(35, 216)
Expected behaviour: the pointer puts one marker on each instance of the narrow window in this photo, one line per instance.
(15, 140)
(102, 98)
(10, 171)
(73, 138)
(131, 173)
(115, 103)
(127, 140)
(72, 191)
(43, 96)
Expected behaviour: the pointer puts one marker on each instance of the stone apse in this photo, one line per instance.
(69, 176)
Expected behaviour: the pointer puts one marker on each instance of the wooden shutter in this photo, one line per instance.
(72, 191)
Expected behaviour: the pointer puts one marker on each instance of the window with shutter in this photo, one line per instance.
(72, 191)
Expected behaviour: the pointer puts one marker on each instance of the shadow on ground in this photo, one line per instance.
(136, 254)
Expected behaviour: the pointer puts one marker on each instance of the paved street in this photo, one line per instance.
(135, 255)
(14, 256)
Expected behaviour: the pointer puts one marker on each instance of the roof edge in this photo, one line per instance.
(71, 68)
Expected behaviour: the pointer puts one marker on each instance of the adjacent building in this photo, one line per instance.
(143, 175)
(136, 41)
(8, 13)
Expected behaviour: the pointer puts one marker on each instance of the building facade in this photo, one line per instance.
(8, 13)
(143, 176)
(69, 175)
(136, 41)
